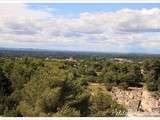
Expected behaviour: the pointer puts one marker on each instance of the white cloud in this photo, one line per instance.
(103, 31)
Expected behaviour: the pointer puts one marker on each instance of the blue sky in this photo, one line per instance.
(77, 8)
(96, 27)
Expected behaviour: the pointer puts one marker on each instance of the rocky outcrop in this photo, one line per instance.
(149, 103)
(138, 101)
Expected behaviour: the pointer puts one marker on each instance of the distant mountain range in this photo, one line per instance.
(16, 52)
(48, 50)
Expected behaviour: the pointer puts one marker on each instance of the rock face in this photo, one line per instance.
(138, 101)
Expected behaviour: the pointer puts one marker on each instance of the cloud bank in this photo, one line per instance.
(124, 30)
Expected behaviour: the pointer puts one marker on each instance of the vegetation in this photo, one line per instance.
(57, 87)
(152, 74)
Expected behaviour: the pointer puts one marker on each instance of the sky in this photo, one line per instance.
(123, 27)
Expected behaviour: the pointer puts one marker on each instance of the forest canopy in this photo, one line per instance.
(58, 87)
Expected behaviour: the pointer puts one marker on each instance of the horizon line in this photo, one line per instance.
(84, 51)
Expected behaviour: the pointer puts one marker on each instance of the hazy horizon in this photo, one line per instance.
(76, 51)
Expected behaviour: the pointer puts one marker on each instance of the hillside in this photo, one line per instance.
(79, 88)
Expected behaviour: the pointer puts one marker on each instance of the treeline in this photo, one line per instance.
(37, 87)
(40, 53)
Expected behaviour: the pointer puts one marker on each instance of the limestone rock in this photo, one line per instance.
(138, 101)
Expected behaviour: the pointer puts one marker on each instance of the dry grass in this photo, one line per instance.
(94, 87)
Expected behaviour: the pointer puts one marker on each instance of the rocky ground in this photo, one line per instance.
(139, 101)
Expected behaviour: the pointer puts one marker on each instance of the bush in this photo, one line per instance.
(103, 106)
(67, 112)
(50, 99)
(152, 86)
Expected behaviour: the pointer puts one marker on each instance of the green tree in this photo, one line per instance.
(151, 69)
(103, 106)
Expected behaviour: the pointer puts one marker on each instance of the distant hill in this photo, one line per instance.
(43, 53)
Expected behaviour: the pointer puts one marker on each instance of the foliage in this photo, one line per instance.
(67, 112)
(104, 106)
(152, 74)
(37, 87)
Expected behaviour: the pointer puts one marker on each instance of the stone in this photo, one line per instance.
(139, 101)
